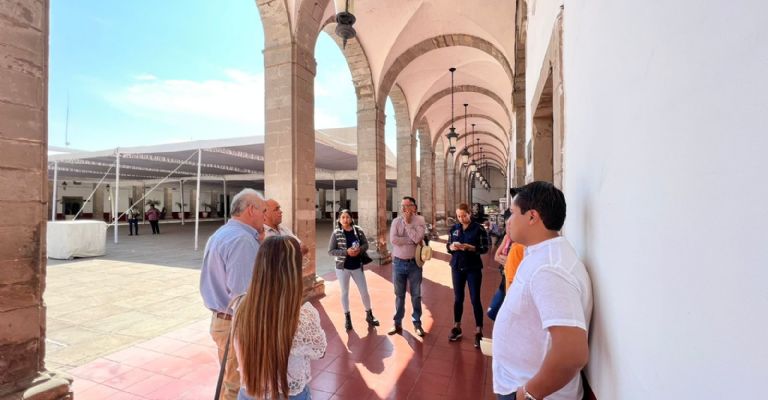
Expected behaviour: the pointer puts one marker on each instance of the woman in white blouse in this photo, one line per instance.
(275, 336)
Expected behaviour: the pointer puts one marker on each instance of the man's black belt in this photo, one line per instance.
(405, 259)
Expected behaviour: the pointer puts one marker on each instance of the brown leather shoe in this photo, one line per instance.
(397, 329)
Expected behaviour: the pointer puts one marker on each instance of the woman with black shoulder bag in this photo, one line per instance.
(349, 245)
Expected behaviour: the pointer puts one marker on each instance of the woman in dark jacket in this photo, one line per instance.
(349, 244)
(466, 242)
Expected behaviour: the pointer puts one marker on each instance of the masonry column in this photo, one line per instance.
(97, 203)
(213, 202)
(343, 198)
(24, 182)
(427, 172)
(289, 70)
(371, 179)
(406, 162)
(168, 202)
(520, 156)
(192, 208)
(542, 149)
(439, 184)
(136, 193)
(450, 186)
(321, 203)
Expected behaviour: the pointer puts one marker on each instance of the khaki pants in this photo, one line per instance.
(220, 330)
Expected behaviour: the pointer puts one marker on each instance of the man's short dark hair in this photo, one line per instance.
(546, 199)
(412, 200)
(513, 191)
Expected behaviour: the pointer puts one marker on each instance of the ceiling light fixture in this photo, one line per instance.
(344, 20)
(451, 135)
(465, 153)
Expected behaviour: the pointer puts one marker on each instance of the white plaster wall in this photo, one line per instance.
(541, 21)
(665, 166)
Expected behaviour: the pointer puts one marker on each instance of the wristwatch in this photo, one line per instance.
(527, 395)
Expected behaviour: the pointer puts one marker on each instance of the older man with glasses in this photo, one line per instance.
(228, 261)
(406, 232)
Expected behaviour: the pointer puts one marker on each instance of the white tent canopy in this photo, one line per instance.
(228, 160)
(232, 159)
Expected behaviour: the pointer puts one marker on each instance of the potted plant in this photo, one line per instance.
(181, 209)
(208, 208)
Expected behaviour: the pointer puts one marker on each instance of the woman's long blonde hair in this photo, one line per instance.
(267, 317)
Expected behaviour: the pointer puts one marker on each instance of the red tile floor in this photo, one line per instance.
(360, 364)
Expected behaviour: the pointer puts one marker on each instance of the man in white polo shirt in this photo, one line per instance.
(540, 334)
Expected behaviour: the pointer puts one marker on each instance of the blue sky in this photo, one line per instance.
(141, 73)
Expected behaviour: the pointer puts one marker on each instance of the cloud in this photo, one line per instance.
(233, 105)
(237, 99)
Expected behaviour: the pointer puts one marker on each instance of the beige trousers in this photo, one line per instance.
(220, 329)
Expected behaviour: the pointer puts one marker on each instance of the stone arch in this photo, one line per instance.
(406, 144)
(276, 23)
(434, 43)
(460, 89)
(372, 194)
(359, 67)
(309, 22)
(461, 117)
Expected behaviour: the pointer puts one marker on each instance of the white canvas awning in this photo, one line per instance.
(234, 159)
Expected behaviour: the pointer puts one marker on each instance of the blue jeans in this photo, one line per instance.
(133, 226)
(304, 395)
(407, 273)
(511, 396)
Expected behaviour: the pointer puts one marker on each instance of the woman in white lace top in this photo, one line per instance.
(275, 336)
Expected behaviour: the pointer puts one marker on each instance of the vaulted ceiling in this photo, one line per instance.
(409, 45)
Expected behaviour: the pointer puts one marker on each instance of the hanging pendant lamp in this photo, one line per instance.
(465, 153)
(452, 135)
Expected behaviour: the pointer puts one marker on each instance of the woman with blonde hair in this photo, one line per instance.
(275, 336)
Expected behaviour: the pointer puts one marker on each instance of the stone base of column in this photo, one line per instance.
(46, 385)
(314, 287)
(381, 256)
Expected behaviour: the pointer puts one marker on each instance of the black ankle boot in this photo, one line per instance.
(347, 322)
(370, 319)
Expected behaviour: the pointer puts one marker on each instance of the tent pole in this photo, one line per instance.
(117, 191)
(197, 196)
(55, 187)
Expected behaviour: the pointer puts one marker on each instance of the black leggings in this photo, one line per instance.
(155, 226)
(473, 277)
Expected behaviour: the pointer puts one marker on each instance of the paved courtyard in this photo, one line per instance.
(131, 325)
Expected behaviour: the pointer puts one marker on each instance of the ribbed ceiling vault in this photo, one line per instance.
(412, 43)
